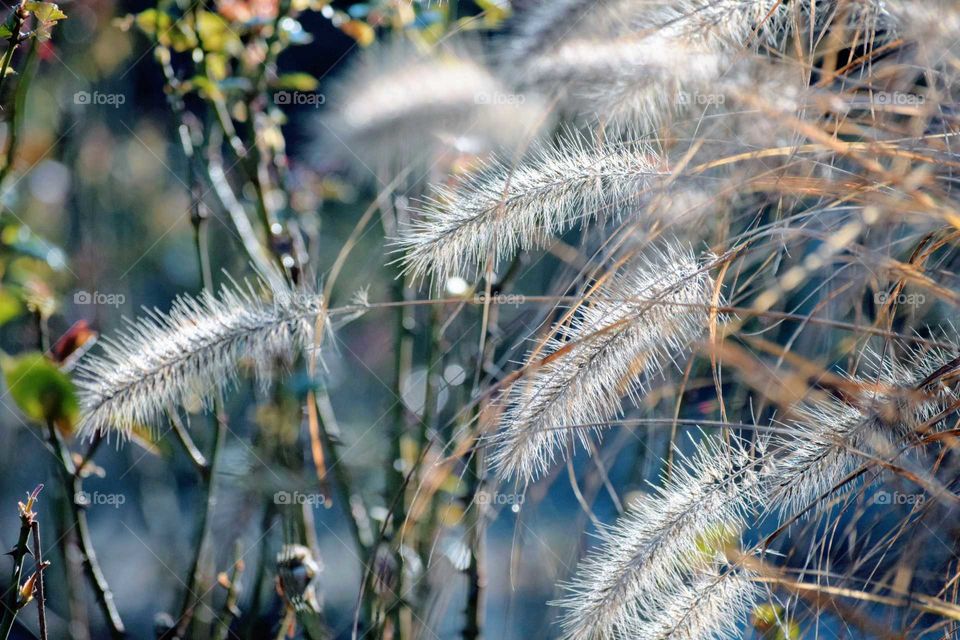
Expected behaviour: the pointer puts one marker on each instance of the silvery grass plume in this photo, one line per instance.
(628, 329)
(399, 105)
(711, 605)
(831, 437)
(633, 82)
(193, 351)
(658, 545)
(654, 59)
(501, 208)
(549, 25)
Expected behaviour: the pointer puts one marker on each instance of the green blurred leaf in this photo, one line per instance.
(45, 11)
(47, 15)
(153, 21)
(217, 67)
(10, 306)
(41, 390)
(216, 35)
(179, 37)
(174, 34)
(206, 87)
(297, 82)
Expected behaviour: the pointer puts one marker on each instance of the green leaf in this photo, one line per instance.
(41, 391)
(297, 82)
(45, 11)
(216, 35)
(10, 306)
(206, 87)
(180, 37)
(47, 14)
(160, 25)
(152, 21)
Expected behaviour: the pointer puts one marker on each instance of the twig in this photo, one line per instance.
(41, 565)
(230, 608)
(19, 102)
(72, 486)
(193, 451)
(190, 599)
(95, 442)
(19, 16)
(13, 599)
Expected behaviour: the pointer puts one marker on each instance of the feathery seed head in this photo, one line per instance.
(193, 351)
(501, 208)
(627, 330)
(655, 546)
(831, 434)
(711, 606)
(399, 105)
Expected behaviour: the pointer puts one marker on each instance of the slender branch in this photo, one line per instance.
(95, 442)
(230, 603)
(19, 103)
(354, 508)
(190, 598)
(193, 451)
(40, 596)
(13, 600)
(19, 17)
(73, 487)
